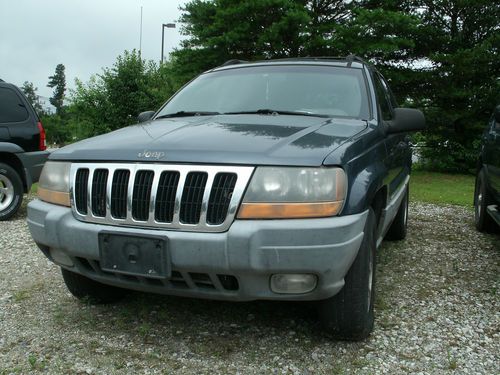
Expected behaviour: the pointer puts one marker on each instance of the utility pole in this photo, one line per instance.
(140, 36)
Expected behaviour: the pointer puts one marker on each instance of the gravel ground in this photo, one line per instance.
(437, 311)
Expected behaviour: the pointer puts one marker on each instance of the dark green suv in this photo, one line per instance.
(487, 192)
(273, 180)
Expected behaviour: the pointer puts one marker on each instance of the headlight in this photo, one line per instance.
(284, 193)
(53, 185)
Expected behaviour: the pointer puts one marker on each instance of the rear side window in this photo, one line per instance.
(12, 108)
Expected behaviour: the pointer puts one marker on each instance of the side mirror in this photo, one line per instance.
(497, 114)
(407, 120)
(145, 116)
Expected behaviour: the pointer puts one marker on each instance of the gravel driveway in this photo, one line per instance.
(437, 311)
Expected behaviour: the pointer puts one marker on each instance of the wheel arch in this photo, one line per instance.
(14, 162)
(378, 203)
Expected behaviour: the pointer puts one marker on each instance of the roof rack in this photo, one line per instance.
(234, 62)
(350, 58)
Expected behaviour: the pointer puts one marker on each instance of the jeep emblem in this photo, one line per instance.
(151, 154)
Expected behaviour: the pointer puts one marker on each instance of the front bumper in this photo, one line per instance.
(250, 252)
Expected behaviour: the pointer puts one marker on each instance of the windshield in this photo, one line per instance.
(321, 90)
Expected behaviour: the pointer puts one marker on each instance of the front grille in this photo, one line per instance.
(185, 197)
(99, 182)
(165, 198)
(81, 187)
(192, 197)
(220, 196)
(119, 194)
(142, 195)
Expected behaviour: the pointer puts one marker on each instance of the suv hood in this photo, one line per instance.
(222, 139)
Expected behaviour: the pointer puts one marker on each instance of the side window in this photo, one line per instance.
(383, 98)
(12, 108)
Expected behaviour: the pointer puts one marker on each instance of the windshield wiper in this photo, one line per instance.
(276, 112)
(187, 114)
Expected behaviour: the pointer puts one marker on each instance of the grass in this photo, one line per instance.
(27, 292)
(442, 188)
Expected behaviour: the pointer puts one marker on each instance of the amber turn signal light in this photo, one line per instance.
(288, 210)
(55, 197)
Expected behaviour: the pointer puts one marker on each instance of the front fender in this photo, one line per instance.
(363, 188)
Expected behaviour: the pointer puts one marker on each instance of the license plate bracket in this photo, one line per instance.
(144, 256)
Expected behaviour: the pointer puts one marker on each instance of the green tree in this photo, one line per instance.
(462, 40)
(221, 30)
(29, 89)
(58, 82)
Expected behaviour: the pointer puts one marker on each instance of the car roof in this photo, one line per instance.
(8, 84)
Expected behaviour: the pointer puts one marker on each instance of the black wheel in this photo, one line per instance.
(349, 314)
(11, 191)
(398, 228)
(84, 288)
(482, 198)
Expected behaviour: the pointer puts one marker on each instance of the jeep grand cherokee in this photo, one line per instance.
(270, 180)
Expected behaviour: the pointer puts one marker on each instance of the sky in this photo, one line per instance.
(84, 35)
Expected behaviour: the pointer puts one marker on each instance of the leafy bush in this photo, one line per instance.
(440, 155)
(56, 130)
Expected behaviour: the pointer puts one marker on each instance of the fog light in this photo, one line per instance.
(59, 257)
(293, 283)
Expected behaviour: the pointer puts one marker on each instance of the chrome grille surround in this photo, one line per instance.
(243, 177)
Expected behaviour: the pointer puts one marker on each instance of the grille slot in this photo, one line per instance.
(165, 196)
(201, 280)
(81, 187)
(198, 198)
(220, 197)
(142, 195)
(119, 193)
(229, 282)
(99, 182)
(178, 281)
(192, 197)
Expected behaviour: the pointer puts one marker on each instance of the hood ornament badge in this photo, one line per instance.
(151, 155)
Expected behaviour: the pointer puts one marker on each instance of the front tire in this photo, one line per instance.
(11, 191)
(84, 288)
(482, 198)
(349, 314)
